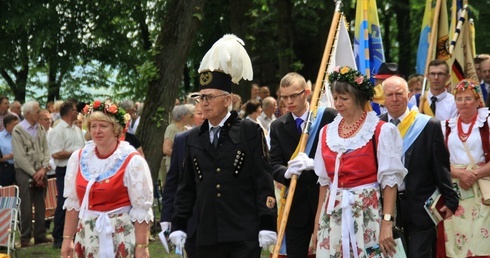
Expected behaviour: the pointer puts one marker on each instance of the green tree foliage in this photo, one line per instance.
(151, 49)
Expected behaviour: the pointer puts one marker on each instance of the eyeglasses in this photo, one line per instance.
(437, 74)
(209, 97)
(466, 99)
(292, 96)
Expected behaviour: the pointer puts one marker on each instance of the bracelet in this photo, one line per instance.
(142, 245)
(67, 237)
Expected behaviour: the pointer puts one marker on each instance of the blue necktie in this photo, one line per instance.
(299, 121)
(484, 92)
(215, 130)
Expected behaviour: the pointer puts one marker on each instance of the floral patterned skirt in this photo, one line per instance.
(366, 215)
(466, 233)
(87, 240)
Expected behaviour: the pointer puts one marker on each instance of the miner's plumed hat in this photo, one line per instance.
(225, 63)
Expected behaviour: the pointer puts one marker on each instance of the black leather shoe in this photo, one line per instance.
(57, 245)
(43, 240)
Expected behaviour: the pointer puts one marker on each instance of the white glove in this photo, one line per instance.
(178, 238)
(298, 164)
(166, 226)
(267, 238)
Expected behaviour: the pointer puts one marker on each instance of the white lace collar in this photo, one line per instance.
(480, 119)
(365, 134)
(101, 169)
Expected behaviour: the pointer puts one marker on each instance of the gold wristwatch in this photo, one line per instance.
(388, 217)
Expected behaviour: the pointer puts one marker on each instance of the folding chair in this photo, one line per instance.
(51, 199)
(9, 214)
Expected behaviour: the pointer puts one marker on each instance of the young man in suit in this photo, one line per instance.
(285, 134)
(427, 161)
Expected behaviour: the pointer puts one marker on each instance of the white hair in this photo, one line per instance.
(29, 106)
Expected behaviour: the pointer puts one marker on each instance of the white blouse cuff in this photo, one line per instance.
(140, 215)
(71, 204)
(391, 180)
(323, 181)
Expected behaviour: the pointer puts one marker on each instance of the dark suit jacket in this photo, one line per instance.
(172, 181)
(285, 137)
(231, 185)
(427, 162)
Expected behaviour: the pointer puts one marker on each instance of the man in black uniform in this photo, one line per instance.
(227, 171)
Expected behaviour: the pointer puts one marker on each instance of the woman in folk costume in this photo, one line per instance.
(109, 192)
(466, 233)
(356, 154)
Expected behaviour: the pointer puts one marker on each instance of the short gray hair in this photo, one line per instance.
(190, 107)
(29, 106)
(126, 104)
(268, 102)
(179, 112)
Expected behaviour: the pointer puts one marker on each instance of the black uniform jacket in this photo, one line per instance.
(231, 185)
(284, 140)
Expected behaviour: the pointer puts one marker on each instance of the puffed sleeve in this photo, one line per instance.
(70, 193)
(390, 167)
(140, 189)
(319, 164)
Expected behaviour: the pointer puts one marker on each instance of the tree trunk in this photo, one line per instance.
(177, 33)
(53, 86)
(285, 36)
(402, 10)
(18, 85)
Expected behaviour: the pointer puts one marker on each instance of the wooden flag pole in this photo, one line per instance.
(304, 136)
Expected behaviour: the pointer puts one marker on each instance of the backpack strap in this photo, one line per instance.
(484, 133)
(448, 131)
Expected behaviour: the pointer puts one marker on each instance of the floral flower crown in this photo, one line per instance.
(354, 78)
(467, 84)
(108, 108)
(472, 85)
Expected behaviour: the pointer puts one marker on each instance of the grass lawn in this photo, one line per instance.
(47, 251)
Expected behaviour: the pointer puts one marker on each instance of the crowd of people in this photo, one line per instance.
(379, 155)
(372, 161)
(103, 181)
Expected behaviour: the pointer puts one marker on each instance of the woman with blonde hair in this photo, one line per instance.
(109, 192)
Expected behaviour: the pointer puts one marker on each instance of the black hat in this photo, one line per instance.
(387, 70)
(215, 80)
(225, 63)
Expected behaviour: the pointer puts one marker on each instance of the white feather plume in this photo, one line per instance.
(228, 55)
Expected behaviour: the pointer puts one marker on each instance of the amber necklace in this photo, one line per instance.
(461, 134)
(105, 156)
(348, 131)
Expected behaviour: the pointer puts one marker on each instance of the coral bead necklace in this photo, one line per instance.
(348, 131)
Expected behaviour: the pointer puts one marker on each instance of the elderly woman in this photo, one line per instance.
(357, 157)
(109, 192)
(467, 138)
(182, 116)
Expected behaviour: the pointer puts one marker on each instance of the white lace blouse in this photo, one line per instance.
(137, 178)
(457, 152)
(389, 149)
